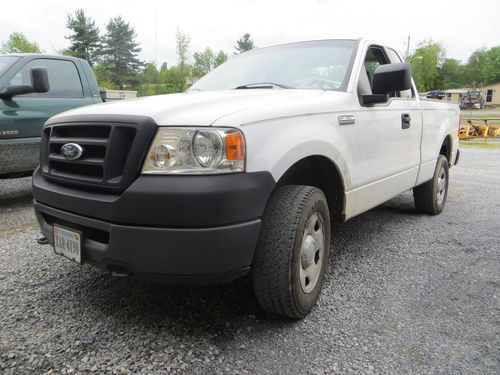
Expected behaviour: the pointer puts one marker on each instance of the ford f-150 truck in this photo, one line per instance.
(34, 87)
(247, 171)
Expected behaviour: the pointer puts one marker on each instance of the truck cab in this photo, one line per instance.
(23, 110)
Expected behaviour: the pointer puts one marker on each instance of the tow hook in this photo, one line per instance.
(117, 271)
(42, 240)
(119, 274)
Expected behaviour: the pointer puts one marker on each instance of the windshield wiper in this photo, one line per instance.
(263, 85)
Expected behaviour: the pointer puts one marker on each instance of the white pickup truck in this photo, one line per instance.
(247, 171)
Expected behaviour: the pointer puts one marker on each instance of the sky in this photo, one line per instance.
(461, 26)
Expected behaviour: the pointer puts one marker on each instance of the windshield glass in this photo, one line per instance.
(6, 62)
(307, 65)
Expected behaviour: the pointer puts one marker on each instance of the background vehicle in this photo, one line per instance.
(472, 99)
(24, 109)
(247, 171)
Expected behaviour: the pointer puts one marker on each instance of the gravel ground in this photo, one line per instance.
(406, 293)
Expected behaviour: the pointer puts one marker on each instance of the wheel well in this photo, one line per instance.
(320, 172)
(446, 148)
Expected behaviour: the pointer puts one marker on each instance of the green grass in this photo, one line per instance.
(479, 115)
(479, 144)
(476, 122)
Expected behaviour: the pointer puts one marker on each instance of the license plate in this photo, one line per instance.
(67, 243)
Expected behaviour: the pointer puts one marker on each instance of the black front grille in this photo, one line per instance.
(111, 158)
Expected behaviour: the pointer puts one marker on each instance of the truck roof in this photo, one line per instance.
(42, 55)
(362, 41)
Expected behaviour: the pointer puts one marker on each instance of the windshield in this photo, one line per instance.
(6, 62)
(308, 65)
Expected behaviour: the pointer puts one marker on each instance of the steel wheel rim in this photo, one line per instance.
(312, 252)
(441, 186)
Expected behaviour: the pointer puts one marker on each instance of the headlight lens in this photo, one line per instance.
(207, 148)
(196, 151)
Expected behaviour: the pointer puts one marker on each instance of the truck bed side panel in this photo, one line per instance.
(440, 120)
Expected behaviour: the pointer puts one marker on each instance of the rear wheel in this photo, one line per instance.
(293, 251)
(430, 197)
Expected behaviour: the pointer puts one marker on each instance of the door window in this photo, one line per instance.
(375, 57)
(394, 58)
(64, 79)
(6, 62)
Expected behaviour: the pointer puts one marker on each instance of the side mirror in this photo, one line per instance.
(387, 79)
(40, 79)
(39, 84)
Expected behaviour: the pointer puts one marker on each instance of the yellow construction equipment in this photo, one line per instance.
(474, 129)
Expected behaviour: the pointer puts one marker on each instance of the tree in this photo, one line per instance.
(220, 58)
(85, 37)
(206, 61)
(182, 46)
(65, 52)
(149, 74)
(491, 69)
(474, 68)
(120, 52)
(483, 66)
(103, 73)
(245, 43)
(452, 74)
(18, 43)
(173, 80)
(183, 42)
(203, 62)
(424, 64)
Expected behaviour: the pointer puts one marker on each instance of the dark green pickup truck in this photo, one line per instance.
(33, 88)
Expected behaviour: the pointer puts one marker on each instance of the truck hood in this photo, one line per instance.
(218, 108)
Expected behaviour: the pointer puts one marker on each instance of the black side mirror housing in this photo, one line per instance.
(40, 79)
(387, 79)
(39, 84)
(374, 98)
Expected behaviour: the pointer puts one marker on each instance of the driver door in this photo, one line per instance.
(388, 151)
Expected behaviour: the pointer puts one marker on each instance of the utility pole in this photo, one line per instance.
(408, 48)
(156, 57)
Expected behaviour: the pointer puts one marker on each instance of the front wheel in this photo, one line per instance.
(293, 251)
(430, 197)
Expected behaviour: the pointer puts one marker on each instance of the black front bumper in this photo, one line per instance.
(180, 229)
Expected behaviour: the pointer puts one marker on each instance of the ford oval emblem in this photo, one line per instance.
(71, 151)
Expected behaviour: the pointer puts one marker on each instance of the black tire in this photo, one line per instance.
(277, 263)
(430, 197)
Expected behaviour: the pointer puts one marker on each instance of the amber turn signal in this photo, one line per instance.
(235, 146)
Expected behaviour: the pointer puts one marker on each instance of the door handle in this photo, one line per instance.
(405, 120)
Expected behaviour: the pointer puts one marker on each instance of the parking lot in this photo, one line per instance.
(406, 293)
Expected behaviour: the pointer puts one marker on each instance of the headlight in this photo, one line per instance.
(208, 148)
(196, 151)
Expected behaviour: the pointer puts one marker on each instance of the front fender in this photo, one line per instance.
(276, 145)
